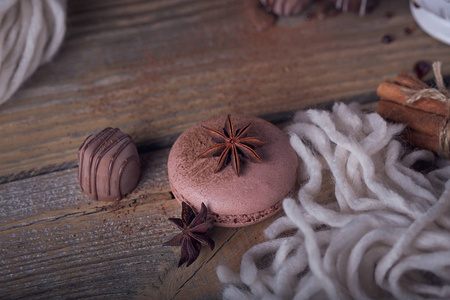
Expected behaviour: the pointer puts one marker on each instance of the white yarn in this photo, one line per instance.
(386, 236)
(343, 4)
(31, 32)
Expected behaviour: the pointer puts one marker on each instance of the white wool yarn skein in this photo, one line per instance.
(31, 32)
(387, 235)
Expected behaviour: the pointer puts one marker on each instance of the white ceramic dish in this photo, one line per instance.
(433, 16)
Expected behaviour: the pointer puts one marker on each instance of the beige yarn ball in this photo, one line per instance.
(31, 32)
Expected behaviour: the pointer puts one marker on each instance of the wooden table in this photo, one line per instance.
(154, 68)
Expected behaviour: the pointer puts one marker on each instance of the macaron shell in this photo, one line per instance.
(235, 201)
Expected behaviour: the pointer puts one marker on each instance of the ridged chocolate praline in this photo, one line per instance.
(108, 165)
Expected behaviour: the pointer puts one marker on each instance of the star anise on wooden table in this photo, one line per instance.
(229, 145)
(194, 229)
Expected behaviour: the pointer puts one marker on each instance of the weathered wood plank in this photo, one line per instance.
(184, 61)
(45, 196)
(205, 284)
(56, 242)
(84, 255)
(153, 68)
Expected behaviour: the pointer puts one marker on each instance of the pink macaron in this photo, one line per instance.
(234, 200)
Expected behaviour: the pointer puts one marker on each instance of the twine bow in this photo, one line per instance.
(440, 94)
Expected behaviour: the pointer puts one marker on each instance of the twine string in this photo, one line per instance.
(440, 94)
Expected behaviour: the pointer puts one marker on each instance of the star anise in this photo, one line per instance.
(193, 233)
(230, 145)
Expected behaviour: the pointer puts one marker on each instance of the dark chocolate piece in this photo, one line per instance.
(108, 165)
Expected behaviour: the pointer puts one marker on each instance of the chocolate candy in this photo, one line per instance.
(108, 165)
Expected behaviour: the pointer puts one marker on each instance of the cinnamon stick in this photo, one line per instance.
(410, 81)
(427, 118)
(425, 122)
(421, 140)
(395, 93)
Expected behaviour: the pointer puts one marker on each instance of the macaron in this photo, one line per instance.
(241, 187)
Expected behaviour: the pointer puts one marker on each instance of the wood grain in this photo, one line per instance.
(154, 68)
(56, 242)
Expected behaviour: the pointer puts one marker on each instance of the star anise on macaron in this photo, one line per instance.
(230, 145)
(194, 229)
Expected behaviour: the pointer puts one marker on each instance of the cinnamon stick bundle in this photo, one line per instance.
(425, 111)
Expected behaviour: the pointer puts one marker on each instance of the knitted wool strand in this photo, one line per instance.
(387, 235)
(30, 34)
